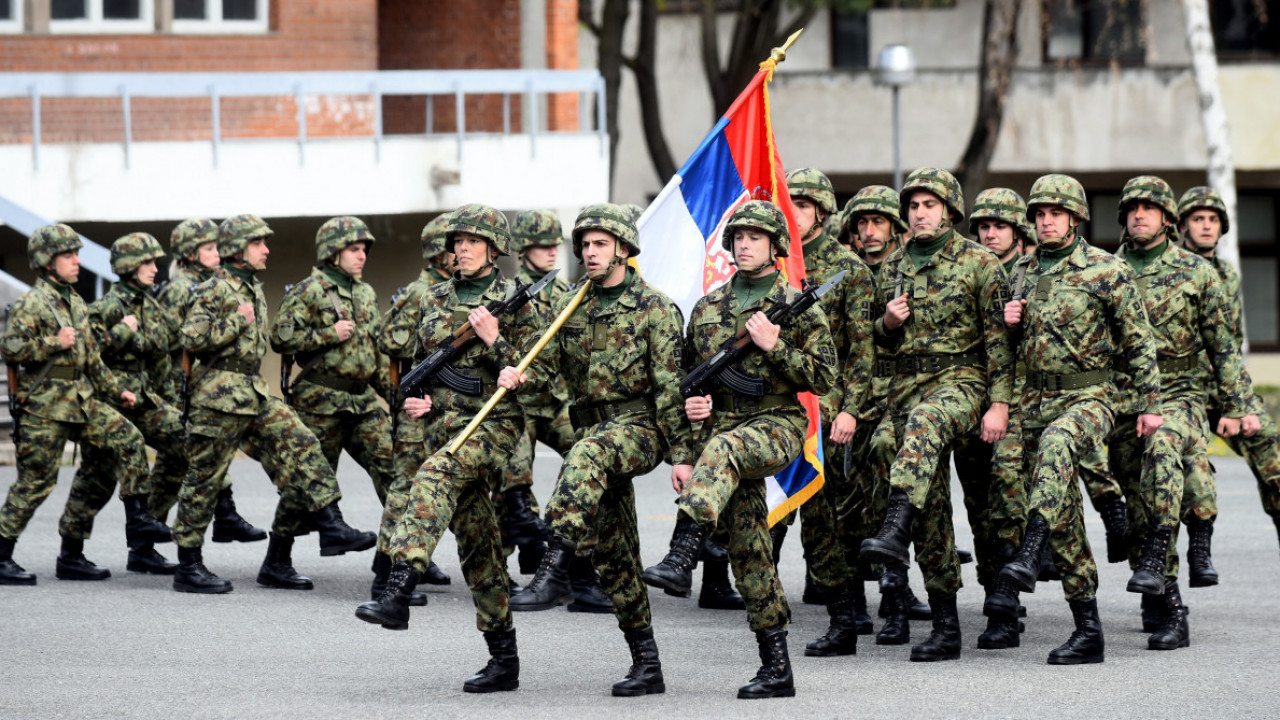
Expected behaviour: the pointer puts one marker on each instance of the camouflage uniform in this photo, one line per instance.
(62, 393)
(334, 394)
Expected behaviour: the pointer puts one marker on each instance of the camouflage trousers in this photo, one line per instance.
(825, 554)
(161, 428)
(296, 467)
(366, 438)
(1051, 456)
(861, 505)
(595, 490)
(414, 442)
(728, 482)
(995, 495)
(453, 492)
(1261, 452)
(555, 432)
(107, 440)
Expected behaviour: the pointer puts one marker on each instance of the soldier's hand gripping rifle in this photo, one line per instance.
(436, 367)
(717, 367)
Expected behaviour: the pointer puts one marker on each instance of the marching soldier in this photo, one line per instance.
(453, 490)
(1080, 308)
(61, 380)
(942, 296)
(194, 245)
(226, 332)
(751, 437)
(619, 355)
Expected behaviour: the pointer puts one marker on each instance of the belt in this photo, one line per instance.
(884, 367)
(58, 372)
(136, 366)
(910, 364)
(1166, 366)
(588, 415)
(355, 387)
(235, 365)
(732, 402)
(1068, 381)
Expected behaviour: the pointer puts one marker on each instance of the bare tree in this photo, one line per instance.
(995, 76)
(608, 33)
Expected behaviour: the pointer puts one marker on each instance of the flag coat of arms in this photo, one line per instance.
(681, 230)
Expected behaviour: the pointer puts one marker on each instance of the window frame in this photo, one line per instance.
(95, 24)
(1086, 19)
(14, 25)
(219, 26)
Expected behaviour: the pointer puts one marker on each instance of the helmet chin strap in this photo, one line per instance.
(1065, 241)
(752, 271)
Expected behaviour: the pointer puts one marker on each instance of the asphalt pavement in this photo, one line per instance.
(131, 647)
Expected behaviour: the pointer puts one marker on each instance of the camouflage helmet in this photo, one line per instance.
(433, 236)
(812, 184)
(761, 215)
(338, 233)
(880, 199)
(131, 251)
(635, 210)
(235, 234)
(613, 219)
(1203, 198)
(938, 181)
(1004, 205)
(191, 234)
(1151, 189)
(49, 241)
(481, 221)
(1062, 190)
(536, 228)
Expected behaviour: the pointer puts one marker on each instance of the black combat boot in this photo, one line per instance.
(588, 595)
(229, 526)
(645, 675)
(11, 573)
(675, 572)
(1149, 577)
(861, 620)
(1024, 568)
(550, 585)
(1173, 632)
(774, 678)
(146, 560)
(1199, 560)
(717, 592)
(529, 556)
(841, 637)
(1153, 610)
(1002, 602)
(1275, 517)
(435, 576)
(382, 571)
(1114, 520)
(1049, 571)
(277, 567)
(391, 609)
(1000, 635)
(73, 565)
(778, 535)
(523, 524)
(503, 669)
(890, 544)
(139, 527)
(965, 556)
(336, 536)
(193, 577)
(917, 609)
(815, 594)
(897, 626)
(944, 641)
(1086, 644)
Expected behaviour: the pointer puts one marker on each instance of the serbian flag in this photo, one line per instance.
(681, 232)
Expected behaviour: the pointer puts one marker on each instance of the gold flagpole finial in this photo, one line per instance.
(780, 53)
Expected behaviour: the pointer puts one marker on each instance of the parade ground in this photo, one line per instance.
(131, 647)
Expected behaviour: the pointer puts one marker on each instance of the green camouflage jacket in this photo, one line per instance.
(1190, 316)
(545, 404)
(550, 296)
(1079, 314)
(629, 350)
(804, 360)
(140, 359)
(304, 328)
(403, 317)
(957, 308)
(1231, 288)
(215, 332)
(175, 296)
(30, 340)
(848, 310)
(877, 396)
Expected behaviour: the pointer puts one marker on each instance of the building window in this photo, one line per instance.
(219, 16)
(1246, 28)
(1256, 231)
(1094, 31)
(100, 16)
(11, 16)
(850, 40)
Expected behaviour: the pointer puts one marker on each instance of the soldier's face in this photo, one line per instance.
(926, 212)
(146, 273)
(1203, 228)
(351, 259)
(66, 266)
(751, 248)
(1053, 223)
(598, 250)
(806, 214)
(207, 255)
(542, 258)
(471, 253)
(874, 231)
(997, 236)
(255, 254)
(1143, 220)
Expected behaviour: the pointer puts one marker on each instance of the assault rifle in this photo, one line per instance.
(436, 366)
(393, 374)
(717, 367)
(186, 387)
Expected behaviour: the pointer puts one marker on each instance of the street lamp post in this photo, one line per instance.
(895, 67)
